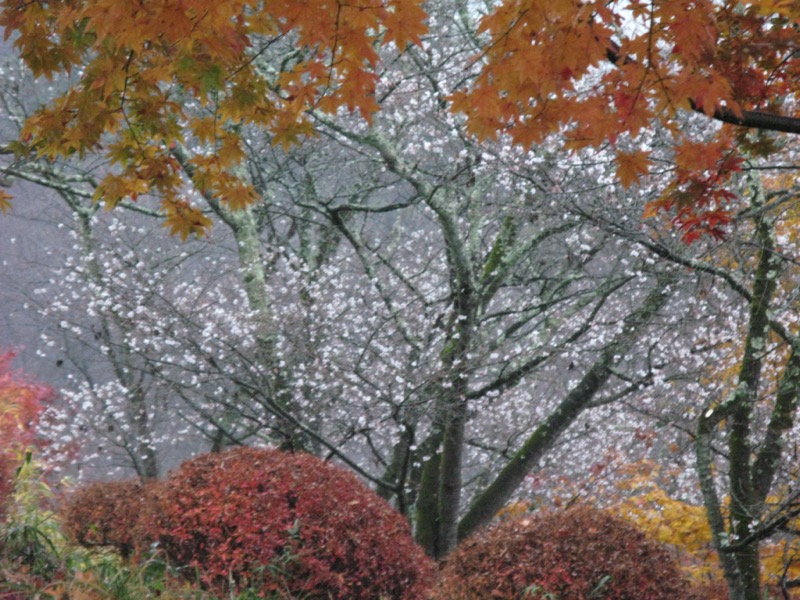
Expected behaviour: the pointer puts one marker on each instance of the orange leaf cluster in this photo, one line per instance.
(697, 195)
(138, 65)
(592, 70)
(596, 71)
(5, 202)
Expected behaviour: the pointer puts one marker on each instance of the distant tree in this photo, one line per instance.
(758, 406)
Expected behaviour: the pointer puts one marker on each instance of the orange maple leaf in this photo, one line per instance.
(184, 219)
(5, 202)
(631, 166)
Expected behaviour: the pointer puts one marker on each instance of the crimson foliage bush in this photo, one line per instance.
(570, 555)
(287, 524)
(119, 514)
(21, 404)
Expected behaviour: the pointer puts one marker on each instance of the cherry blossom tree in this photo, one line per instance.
(472, 281)
(445, 315)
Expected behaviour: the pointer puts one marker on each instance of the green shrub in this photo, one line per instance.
(575, 554)
(287, 525)
(30, 539)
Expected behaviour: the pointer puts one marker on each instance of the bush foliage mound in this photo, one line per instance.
(571, 555)
(115, 513)
(289, 524)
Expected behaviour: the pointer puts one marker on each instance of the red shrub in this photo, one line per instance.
(575, 554)
(116, 513)
(21, 403)
(288, 524)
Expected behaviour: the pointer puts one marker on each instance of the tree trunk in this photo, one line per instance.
(492, 499)
(746, 505)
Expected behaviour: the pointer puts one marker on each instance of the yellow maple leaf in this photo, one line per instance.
(205, 128)
(237, 195)
(230, 151)
(114, 188)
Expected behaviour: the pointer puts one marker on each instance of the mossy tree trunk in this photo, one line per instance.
(752, 466)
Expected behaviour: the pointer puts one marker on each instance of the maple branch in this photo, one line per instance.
(748, 118)
(754, 119)
(46, 181)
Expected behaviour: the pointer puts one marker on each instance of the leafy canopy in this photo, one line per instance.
(606, 72)
(597, 72)
(137, 65)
